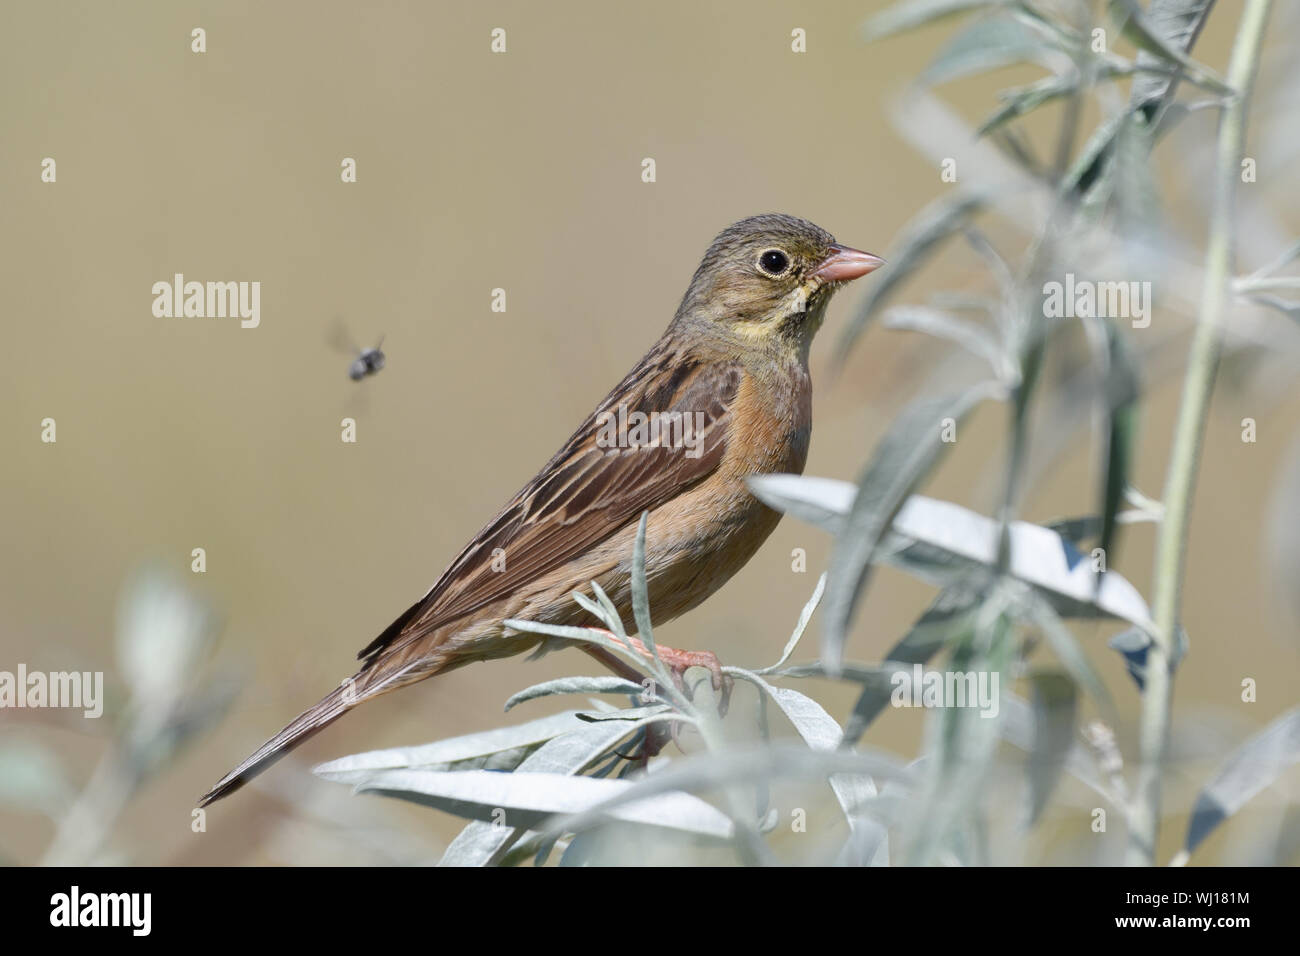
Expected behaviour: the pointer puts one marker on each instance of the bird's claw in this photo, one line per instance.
(678, 662)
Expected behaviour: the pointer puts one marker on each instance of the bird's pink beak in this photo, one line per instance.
(845, 264)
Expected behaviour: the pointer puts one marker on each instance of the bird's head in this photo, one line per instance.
(766, 280)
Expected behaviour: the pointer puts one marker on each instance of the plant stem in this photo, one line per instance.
(750, 845)
(1180, 481)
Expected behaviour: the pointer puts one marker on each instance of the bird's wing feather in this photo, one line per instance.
(584, 494)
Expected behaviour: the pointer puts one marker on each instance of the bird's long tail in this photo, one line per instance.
(316, 718)
(333, 706)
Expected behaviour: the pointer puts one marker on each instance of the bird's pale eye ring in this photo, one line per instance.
(773, 262)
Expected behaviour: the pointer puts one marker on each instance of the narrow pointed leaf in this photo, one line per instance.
(989, 43)
(910, 14)
(1252, 767)
(945, 325)
(1140, 33)
(529, 799)
(802, 625)
(575, 685)
(445, 753)
(640, 594)
(626, 714)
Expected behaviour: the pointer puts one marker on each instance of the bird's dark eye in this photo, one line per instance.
(774, 262)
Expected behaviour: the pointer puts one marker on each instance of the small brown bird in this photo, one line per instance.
(723, 395)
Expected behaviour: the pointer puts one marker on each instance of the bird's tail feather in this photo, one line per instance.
(316, 718)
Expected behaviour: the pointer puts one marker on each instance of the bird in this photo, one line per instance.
(723, 395)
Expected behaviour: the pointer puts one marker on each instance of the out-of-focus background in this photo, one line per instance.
(476, 171)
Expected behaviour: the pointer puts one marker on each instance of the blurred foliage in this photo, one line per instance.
(165, 635)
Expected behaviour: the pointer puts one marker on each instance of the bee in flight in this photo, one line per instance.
(366, 361)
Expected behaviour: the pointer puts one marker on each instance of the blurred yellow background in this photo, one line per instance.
(475, 171)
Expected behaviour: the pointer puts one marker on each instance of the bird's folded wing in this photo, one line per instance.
(588, 491)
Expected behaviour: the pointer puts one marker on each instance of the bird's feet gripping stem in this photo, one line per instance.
(677, 661)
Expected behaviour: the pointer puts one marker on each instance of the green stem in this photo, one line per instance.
(1180, 481)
